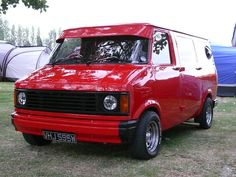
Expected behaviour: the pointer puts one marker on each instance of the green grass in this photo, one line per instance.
(186, 150)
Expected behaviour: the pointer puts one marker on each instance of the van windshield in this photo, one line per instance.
(101, 50)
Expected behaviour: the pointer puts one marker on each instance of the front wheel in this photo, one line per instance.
(35, 140)
(147, 139)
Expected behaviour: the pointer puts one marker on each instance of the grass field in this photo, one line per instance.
(185, 151)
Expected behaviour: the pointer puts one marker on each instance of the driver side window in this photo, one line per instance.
(160, 48)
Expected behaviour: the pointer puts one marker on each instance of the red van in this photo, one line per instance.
(117, 84)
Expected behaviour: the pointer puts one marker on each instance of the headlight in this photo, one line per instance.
(21, 98)
(110, 102)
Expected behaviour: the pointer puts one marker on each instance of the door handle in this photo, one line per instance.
(198, 68)
(179, 68)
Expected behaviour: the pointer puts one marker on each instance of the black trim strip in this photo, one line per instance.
(127, 130)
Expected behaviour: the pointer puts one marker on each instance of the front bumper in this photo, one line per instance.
(86, 130)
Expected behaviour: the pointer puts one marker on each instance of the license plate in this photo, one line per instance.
(60, 136)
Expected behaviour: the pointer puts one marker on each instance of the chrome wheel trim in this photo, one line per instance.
(209, 114)
(152, 136)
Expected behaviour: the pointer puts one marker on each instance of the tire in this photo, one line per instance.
(147, 138)
(35, 140)
(206, 117)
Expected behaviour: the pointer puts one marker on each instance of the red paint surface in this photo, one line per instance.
(176, 94)
(142, 30)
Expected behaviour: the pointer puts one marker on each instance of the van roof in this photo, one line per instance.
(134, 29)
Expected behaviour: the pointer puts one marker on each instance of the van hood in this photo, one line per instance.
(82, 77)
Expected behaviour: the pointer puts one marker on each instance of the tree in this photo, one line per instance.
(34, 4)
(2, 32)
(25, 37)
(59, 32)
(12, 39)
(6, 30)
(51, 41)
(19, 36)
(38, 39)
(32, 37)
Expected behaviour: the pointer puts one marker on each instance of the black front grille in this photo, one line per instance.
(61, 101)
(78, 102)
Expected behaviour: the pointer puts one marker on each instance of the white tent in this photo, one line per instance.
(16, 62)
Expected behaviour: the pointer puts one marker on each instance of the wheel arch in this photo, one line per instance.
(153, 109)
(149, 105)
(208, 94)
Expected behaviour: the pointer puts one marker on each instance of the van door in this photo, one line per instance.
(167, 78)
(190, 83)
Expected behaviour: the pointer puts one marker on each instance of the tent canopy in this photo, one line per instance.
(225, 60)
(16, 62)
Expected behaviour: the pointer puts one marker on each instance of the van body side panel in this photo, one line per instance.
(191, 85)
(167, 92)
(207, 74)
(167, 79)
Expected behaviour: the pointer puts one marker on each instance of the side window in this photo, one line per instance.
(160, 48)
(208, 52)
(204, 53)
(186, 51)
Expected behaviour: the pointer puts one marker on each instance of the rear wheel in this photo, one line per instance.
(35, 140)
(206, 117)
(147, 138)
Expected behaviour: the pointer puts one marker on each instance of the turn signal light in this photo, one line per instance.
(124, 103)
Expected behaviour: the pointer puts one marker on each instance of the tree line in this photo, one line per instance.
(25, 36)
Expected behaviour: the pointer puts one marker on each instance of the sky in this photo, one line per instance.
(212, 19)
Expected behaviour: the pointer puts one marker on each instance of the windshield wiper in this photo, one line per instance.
(59, 60)
(62, 60)
(109, 59)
